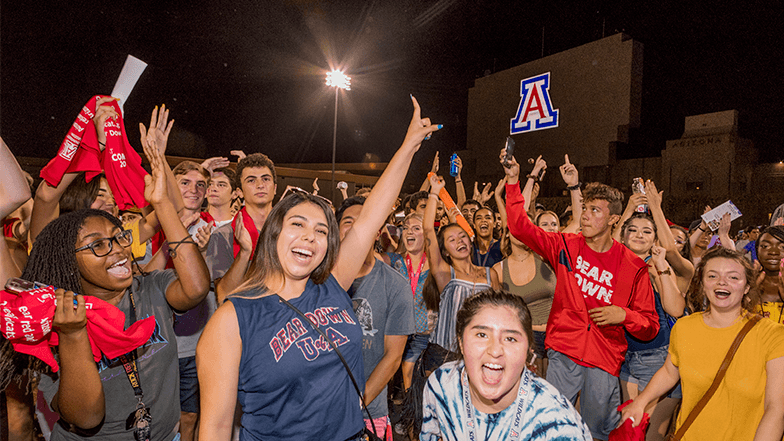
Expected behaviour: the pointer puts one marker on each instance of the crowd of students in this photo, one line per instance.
(193, 305)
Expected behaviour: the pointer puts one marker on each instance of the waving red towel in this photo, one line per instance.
(625, 432)
(27, 323)
(80, 152)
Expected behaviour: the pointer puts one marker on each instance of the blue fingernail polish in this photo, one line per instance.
(440, 126)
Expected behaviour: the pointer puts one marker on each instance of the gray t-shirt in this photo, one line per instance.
(157, 364)
(189, 325)
(220, 251)
(383, 305)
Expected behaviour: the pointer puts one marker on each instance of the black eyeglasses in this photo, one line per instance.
(102, 247)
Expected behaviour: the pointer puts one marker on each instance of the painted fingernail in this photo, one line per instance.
(440, 126)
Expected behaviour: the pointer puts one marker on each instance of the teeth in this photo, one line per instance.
(493, 366)
(301, 251)
(120, 263)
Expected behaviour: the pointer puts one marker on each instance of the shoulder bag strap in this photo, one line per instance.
(334, 348)
(719, 376)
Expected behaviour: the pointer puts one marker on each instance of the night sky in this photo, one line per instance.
(250, 74)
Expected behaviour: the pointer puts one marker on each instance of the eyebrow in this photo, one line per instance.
(488, 328)
(115, 231)
(265, 175)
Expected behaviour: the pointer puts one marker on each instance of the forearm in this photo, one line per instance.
(172, 187)
(8, 267)
(45, 205)
(527, 192)
(384, 371)
(425, 185)
(191, 269)
(501, 205)
(672, 299)
(233, 277)
(577, 211)
(726, 241)
(459, 191)
(80, 399)
(663, 380)
(14, 190)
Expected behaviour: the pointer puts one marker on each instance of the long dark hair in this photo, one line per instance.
(52, 260)
(695, 296)
(80, 194)
(266, 263)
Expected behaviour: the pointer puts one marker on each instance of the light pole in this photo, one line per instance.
(338, 80)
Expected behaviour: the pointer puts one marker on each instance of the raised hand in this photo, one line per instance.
(242, 235)
(659, 258)
(486, 193)
(419, 128)
(203, 237)
(476, 195)
(315, 186)
(569, 173)
(102, 113)
(159, 128)
(434, 167)
(655, 197)
(724, 225)
(539, 165)
(499, 189)
(512, 170)
(436, 184)
(211, 164)
(155, 188)
(459, 165)
(238, 153)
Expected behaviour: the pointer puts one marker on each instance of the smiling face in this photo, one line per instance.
(468, 211)
(303, 240)
(495, 348)
(769, 253)
(413, 236)
(548, 222)
(105, 199)
(258, 186)
(457, 244)
(724, 284)
(484, 222)
(639, 236)
(596, 218)
(105, 277)
(680, 238)
(193, 187)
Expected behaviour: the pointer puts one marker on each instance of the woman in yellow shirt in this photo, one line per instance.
(770, 249)
(749, 403)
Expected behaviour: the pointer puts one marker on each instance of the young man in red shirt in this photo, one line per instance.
(603, 291)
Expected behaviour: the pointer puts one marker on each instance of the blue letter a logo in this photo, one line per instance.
(535, 111)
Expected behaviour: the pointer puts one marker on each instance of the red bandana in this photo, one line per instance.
(27, 323)
(247, 221)
(79, 152)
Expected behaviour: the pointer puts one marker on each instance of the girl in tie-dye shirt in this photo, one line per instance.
(490, 394)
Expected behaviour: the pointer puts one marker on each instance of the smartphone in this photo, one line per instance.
(510, 144)
(16, 285)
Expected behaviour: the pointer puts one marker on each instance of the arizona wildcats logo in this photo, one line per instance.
(535, 111)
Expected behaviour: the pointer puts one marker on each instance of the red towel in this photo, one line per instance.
(27, 323)
(247, 221)
(79, 152)
(625, 432)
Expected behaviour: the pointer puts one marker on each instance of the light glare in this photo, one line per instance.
(337, 78)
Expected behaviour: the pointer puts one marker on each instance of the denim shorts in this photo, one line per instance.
(640, 366)
(189, 385)
(539, 344)
(415, 344)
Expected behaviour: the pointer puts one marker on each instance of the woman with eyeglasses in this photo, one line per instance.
(87, 253)
(258, 348)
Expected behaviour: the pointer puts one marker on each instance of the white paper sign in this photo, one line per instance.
(713, 217)
(131, 71)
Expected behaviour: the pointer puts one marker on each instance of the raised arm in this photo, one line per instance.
(533, 178)
(438, 267)
(499, 201)
(193, 281)
(47, 198)
(683, 269)
(634, 200)
(380, 201)
(433, 169)
(672, 298)
(724, 232)
(14, 192)
(572, 180)
(459, 188)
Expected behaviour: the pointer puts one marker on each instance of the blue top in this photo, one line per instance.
(291, 384)
(454, 294)
(490, 258)
(398, 262)
(662, 338)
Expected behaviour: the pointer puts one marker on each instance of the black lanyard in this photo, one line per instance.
(140, 419)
